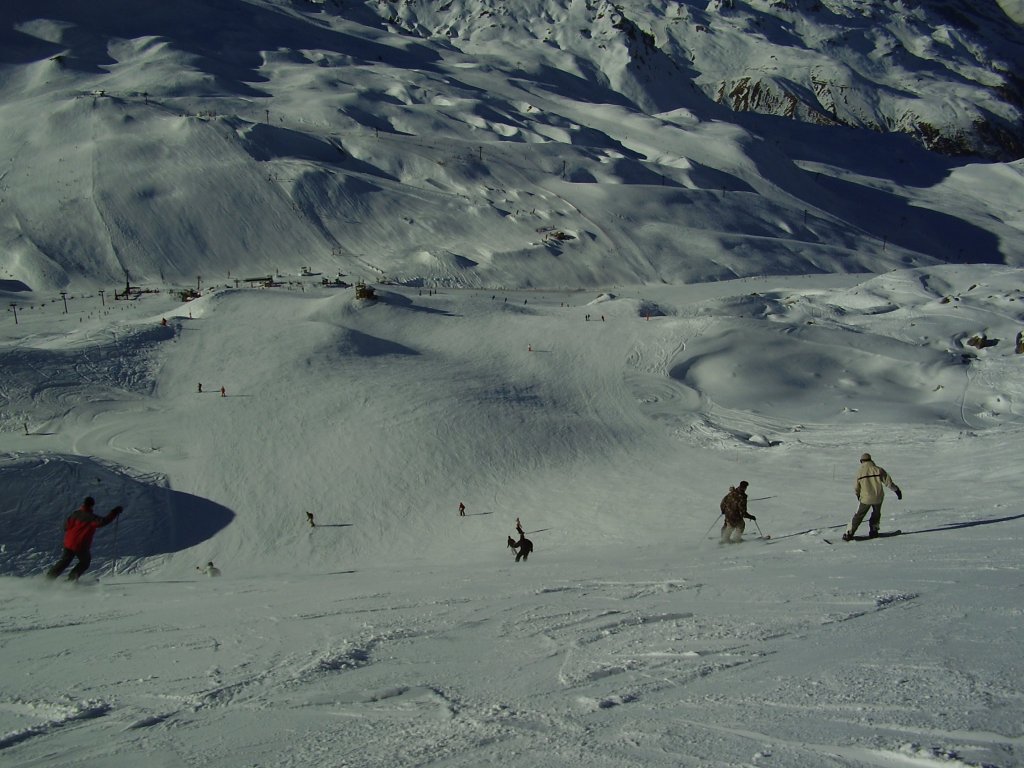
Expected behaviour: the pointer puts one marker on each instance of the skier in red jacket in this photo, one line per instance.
(79, 529)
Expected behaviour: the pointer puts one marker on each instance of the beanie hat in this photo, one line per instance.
(865, 457)
(89, 501)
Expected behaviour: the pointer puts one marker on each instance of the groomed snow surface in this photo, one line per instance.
(397, 633)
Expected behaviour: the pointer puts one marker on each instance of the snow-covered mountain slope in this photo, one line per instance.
(397, 633)
(946, 72)
(511, 145)
(381, 415)
(468, 150)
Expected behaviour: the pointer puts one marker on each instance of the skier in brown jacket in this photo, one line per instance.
(734, 507)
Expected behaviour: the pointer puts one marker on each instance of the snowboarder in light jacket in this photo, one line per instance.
(79, 529)
(870, 487)
(734, 507)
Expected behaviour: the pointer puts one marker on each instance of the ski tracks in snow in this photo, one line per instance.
(568, 666)
(48, 717)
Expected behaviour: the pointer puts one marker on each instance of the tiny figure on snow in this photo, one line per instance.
(870, 492)
(163, 321)
(223, 392)
(209, 569)
(734, 507)
(310, 520)
(79, 529)
(519, 527)
(522, 548)
(462, 509)
(199, 387)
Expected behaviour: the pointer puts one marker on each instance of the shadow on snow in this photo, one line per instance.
(41, 490)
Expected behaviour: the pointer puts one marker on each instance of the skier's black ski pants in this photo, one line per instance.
(84, 558)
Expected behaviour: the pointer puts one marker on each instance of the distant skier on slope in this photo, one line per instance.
(209, 569)
(79, 529)
(870, 493)
(734, 507)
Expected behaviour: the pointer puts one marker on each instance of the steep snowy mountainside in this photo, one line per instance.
(526, 145)
(945, 72)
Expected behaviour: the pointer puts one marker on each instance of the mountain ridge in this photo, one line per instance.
(473, 144)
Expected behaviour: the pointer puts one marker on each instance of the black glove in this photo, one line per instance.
(899, 494)
(753, 518)
(117, 510)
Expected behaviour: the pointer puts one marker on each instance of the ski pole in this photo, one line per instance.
(116, 521)
(759, 530)
(712, 525)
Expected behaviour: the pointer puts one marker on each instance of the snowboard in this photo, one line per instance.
(883, 535)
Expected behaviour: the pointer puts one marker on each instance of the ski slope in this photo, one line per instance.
(603, 298)
(397, 633)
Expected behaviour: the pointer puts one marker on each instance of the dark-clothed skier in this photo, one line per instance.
(870, 493)
(79, 529)
(734, 507)
(523, 547)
